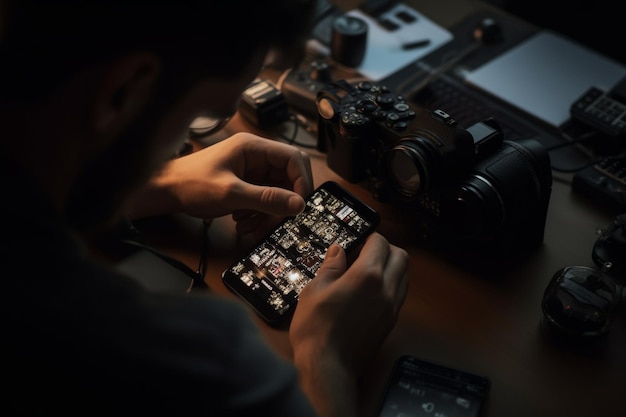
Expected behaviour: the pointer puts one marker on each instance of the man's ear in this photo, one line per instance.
(126, 86)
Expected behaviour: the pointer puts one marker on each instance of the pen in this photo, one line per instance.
(415, 44)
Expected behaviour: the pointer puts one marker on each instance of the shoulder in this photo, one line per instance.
(115, 344)
(74, 328)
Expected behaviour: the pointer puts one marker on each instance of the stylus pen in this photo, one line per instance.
(415, 44)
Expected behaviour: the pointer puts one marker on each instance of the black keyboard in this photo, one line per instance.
(602, 112)
(467, 108)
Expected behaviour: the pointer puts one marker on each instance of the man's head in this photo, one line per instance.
(109, 87)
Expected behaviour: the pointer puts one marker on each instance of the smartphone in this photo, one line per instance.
(420, 388)
(270, 277)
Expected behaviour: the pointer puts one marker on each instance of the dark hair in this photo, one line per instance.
(43, 42)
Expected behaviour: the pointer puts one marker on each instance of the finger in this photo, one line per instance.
(286, 159)
(396, 268)
(392, 262)
(334, 265)
(304, 186)
(374, 252)
(275, 201)
(297, 166)
(244, 214)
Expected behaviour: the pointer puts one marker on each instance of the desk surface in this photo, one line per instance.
(491, 327)
(452, 316)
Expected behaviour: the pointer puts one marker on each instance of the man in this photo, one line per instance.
(95, 98)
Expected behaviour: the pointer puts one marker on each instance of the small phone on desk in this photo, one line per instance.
(270, 277)
(417, 387)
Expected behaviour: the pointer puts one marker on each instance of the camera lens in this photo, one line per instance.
(436, 152)
(476, 199)
(406, 170)
(409, 166)
(499, 194)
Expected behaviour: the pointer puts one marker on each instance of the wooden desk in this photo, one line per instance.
(451, 316)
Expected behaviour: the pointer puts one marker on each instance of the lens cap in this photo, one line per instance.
(349, 40)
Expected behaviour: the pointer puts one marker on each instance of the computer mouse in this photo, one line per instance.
(580, 302)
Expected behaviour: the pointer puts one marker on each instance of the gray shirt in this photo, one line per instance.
(80, 338)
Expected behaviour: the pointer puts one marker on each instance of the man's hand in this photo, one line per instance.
(342, 318)
(256, 180)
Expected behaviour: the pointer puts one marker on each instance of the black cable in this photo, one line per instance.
(298, 122)
(572, 142)
(568, 143)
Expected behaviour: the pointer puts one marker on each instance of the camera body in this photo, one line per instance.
(469, 192)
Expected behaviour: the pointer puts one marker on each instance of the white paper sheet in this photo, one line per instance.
(384, 54)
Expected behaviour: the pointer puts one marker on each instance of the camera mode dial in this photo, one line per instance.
(374, 101)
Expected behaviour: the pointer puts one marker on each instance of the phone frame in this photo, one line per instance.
(271, 275)
(419, 387)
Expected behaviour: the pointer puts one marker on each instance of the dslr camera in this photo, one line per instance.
(469, 192)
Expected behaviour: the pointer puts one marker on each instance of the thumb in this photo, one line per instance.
(275, 201)
(334, 264)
